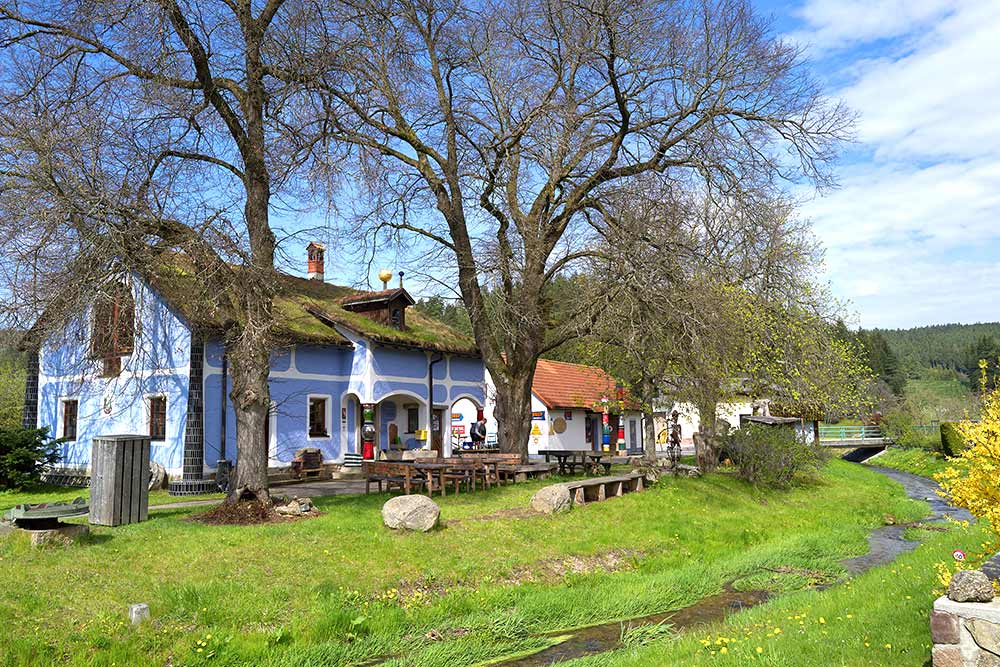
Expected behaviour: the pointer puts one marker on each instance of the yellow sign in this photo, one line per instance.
(535, 430)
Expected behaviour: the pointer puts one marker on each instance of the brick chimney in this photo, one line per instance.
(314, 262)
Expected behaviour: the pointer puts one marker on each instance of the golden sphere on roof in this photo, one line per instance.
(385, 275)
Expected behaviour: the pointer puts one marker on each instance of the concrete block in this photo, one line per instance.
(987, 611)
(137, 613)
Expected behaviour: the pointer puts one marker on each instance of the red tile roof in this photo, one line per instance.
(559, 384)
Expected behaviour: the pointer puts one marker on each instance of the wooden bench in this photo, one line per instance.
(596, 489)
(402, 475)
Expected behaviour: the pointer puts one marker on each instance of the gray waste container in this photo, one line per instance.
(119, 479)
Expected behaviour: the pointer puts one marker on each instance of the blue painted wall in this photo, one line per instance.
(107, 406)
(347, 376)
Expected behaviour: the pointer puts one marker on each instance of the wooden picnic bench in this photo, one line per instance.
(569, 459)
(393, 474)
(441, 471)
(596, 489)
(510, 469)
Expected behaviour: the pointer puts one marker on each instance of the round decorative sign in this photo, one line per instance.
(959, 555)
(559, 425)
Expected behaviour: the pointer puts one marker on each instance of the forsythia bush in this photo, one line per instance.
(974, 482)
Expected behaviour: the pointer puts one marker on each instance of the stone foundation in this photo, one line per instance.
(965, 634)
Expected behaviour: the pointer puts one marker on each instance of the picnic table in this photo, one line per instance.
(458, 472)
(570, 458)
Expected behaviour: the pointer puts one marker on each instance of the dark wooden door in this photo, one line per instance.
(437, 429)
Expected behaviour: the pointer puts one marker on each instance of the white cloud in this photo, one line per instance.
(907, 231)
(833, 24)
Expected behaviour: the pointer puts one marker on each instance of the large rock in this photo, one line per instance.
(683, 470)
(411, 513)
(295, 507)
(986, 634)
(970, 586)
(944, 628)
(551, 499)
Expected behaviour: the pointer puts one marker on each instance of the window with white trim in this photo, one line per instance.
(319, 426)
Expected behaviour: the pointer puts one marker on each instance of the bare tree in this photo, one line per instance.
(139, 129)
(709, 295)
(494, 131)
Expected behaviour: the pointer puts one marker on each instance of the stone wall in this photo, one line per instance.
(966, 634)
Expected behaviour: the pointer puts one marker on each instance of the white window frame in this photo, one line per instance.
(147, 399)
(329, 417)
(272, 434)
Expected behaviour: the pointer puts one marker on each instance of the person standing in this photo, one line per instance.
(478, 433)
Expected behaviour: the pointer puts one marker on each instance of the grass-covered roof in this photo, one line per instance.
(305, 311)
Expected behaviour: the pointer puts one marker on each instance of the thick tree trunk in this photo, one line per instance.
(251, 351)
(705, 440)
(648, 437)
(648, 390)
(513, 408)
(250, 367)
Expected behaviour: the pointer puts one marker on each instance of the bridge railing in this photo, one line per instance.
(850, 432)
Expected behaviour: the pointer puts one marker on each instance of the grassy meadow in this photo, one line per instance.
(341, 589)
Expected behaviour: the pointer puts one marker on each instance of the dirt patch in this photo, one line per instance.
(555, 569)
(246, 513)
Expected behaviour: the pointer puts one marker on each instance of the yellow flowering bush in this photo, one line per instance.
(974, 481)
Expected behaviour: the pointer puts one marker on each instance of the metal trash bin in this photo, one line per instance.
(119, 480)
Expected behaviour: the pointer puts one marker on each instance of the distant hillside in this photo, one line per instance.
(945, 346)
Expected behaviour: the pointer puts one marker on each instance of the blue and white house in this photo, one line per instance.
(147, 357)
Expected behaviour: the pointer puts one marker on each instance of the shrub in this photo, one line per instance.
(975, 482)
(771, 456)
(24, 455)
(900, 424)
(952, 442)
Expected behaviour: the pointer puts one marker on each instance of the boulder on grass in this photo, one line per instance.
(970, 586)
(418, 513)
(551, 499)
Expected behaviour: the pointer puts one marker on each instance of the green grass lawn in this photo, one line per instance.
(880, 618)
(54, 494)
(916, 460)
(341, 589)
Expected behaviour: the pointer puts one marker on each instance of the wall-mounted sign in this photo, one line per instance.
(538, 416)
(535, 430)
(568, 415)
(458, 429)
(456, 416)
(559, 425)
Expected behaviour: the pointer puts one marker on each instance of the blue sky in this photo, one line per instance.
(911, 234)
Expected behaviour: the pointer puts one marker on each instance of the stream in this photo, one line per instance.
(885, 545)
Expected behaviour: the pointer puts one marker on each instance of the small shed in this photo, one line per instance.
(807, 429)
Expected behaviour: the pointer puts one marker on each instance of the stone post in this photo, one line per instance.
(966, 633)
